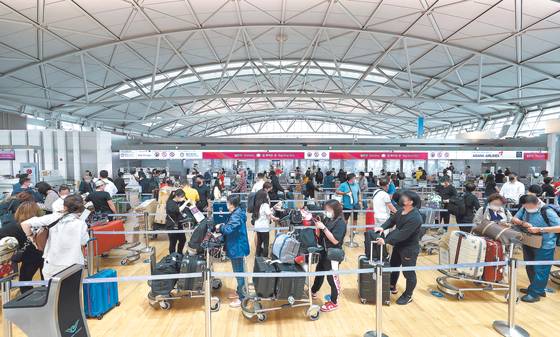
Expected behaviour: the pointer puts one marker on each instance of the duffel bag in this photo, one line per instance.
(285, 248)
(498, 231)
(170, 264)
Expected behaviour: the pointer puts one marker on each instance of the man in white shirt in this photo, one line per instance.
(58, 204)
(259, 183)
(512, 189)
(109, 186)
(382, 206)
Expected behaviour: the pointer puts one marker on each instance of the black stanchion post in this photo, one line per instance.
(509, 329)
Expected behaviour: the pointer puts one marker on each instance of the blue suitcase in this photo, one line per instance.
(99, 298)
(220, 207)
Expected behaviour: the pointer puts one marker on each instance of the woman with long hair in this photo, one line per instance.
(176, 203)
(265, 216)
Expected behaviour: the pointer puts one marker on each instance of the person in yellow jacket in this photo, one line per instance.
(191, 194)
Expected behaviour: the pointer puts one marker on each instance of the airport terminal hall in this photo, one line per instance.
(279, 168)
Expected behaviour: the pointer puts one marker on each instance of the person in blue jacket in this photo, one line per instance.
(537, 218)
(236, 244)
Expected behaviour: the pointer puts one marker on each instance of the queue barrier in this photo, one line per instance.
(505, 328)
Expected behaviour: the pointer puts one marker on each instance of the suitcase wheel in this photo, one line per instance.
(363, 300)
(216, 284)
(165, 305)
(262, 317)
(215, 304)
(100, 317)
(460, 296)
(313, 312)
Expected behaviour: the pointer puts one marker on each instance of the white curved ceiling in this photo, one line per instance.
(218, 68)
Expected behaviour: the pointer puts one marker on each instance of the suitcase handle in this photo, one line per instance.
(371, 251)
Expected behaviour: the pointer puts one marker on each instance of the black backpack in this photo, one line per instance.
(545, 217)
(457, 205)
(198, 235)
(251, 202)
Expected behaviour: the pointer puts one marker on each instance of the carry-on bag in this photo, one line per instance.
(198, 235)
(192, 264)
(287, 287)
(306, 238)
(285, 248)
(370, 236)
(106, 242)
(99, 298)
(467, 248)
(498, 231)
(367, 283)
(170, 264)
(264, 286)
(494, 253)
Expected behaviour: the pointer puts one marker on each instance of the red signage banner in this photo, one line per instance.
(380, 155)
(253, 155)
(535, 155)
(7, 155)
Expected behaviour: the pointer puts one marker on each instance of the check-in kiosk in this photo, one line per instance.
(56, 310)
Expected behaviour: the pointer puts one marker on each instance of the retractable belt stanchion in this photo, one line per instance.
(509, 329)
(6, 324)
(146, 249)
(378, 297)
(208, 296)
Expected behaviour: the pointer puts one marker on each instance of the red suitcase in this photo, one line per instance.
(494, 253)
(370, 219)
(106, 242)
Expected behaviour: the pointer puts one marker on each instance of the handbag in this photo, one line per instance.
(335, 254)
(531, 240)
(40, 238)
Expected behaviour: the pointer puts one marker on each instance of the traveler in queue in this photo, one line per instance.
(49, 195)
(174, 207)
(542, 220)
(102, 202)
(87, 185)
(405, 240)
(58, 204)
(31, 259)
(382, 205)
(203, 193)
(472, 205)
(512, 190)
(236, 244)
(495, 211)
(264, 220)
(351, 198)
(109, 185)
(67, 235)
(490, 187)
(333, 231)
(446, 191)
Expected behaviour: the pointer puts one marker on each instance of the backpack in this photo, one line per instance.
(457, 205)
(251, 202)
(556, 209)
(6, 215)
(285, 248)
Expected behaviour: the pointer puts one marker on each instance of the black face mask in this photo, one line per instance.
(401, 203)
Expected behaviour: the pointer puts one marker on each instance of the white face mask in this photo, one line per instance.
(329, 214)
(495, 208)
(532, 210)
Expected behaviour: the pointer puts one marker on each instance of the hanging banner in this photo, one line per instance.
(7, 155)
(317, 155)
(160, 154)
(380, 155)
(253, 155)
(535, 155)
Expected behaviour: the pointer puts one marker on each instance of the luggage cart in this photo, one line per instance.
(128, 252)
(252, 305)
(165, 302)
(430, 240)
(445, 285)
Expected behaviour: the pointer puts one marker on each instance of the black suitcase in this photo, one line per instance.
(166, 266)
(192, 264)
(264, 286)
(290, 286)
(367, 284)
(372, 236)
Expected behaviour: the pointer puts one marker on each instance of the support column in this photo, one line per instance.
(553, 162)
(514, 127)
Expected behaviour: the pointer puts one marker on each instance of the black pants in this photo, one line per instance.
(406, 257)
(445, 215)
(263, 241)
(325, 265)
(28, 269)
(177, 242)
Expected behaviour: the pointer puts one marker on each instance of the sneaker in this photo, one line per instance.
(526, 291)
(235, 303)
(530, 299)
(329, 306)
(404, 300)
(314, 296)
(233, 296)
(394, 290)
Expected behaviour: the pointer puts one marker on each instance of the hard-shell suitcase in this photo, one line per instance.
(99, 298)
(106, 242)
(285, 248)
(367, 283)
(443, 249)
(287, 287)
(369, 237)
(220, 207)
(494, 253)
(192, 264)
(370, 219)
(166, 266)
(264, 286)
(467, 248)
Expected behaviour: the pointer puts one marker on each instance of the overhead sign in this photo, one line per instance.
(317, 155)
(7, 155)
(160, 154)
(535, 156)
(380, 155)
(487, 155)
(253, 155)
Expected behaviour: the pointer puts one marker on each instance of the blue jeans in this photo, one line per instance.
(538, 275)
(238, 266)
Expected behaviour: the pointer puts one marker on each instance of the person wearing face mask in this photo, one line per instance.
(446, 191)
(538, 219)
(512, 190)
(405, 238)
(58, 204)
(264, 220)
(495, 211)
(86, 185)
(236, 244)
(203, 193)
(351, 198)
(174, 209)
(333, 231)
